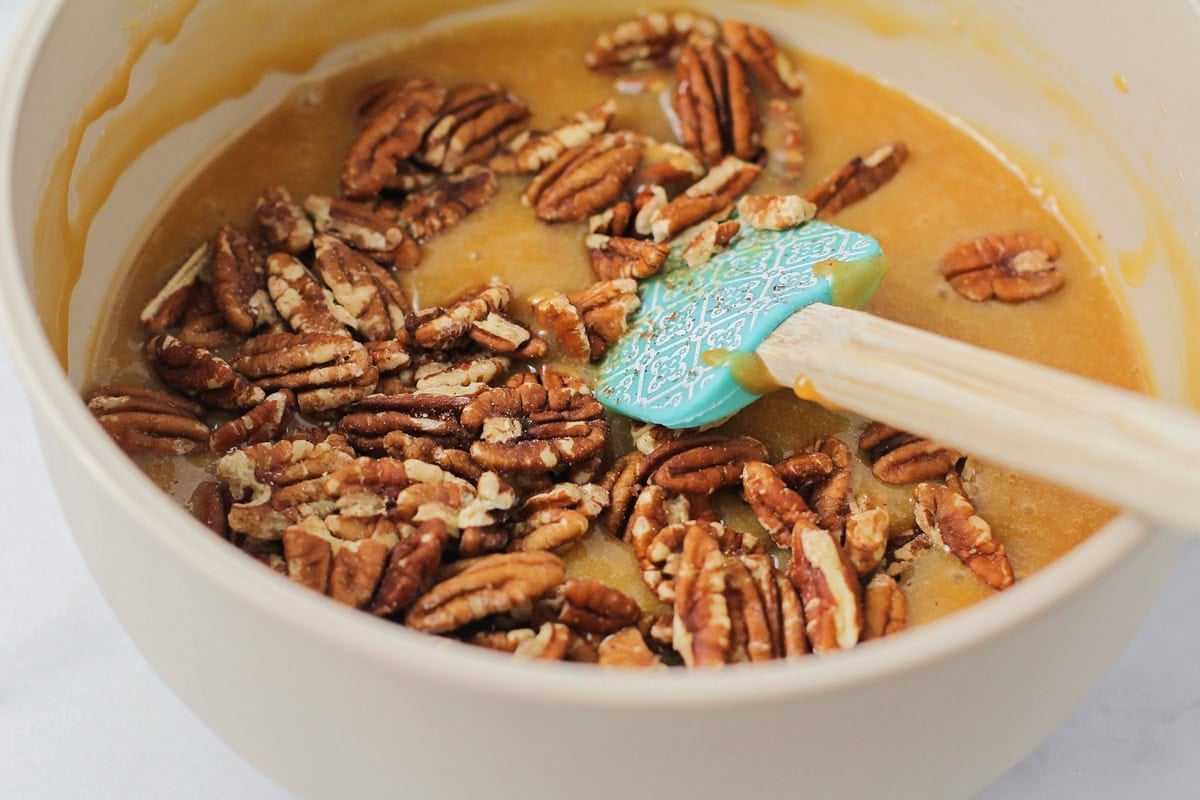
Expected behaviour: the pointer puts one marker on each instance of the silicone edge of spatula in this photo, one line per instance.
(731, 304)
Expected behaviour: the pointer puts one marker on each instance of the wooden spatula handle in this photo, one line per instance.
(1115, 445)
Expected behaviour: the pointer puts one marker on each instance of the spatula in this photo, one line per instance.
(779, 309)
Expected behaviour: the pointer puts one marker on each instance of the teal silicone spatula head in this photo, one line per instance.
(730, 304)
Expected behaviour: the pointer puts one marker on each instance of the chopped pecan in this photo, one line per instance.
(445, 328)
(148, 421)
(348, 571)
(777, 507)
(616, 257)
(775, 212)
(716, 108)
(540, 149)
(588, 321)
(239, 284)
(647, 41)
(785, 139)
(476, 120)
(167, 307)
(829, 587)
(326, 371)
(584, 179)
(627, 648)
(1012, 267)
(490, 585)
(705, 468)
(898, 457)
(558, 515)
(363, 289)
(438, 208)
(304, 304)
(283, 221)
(266, 421)
(428, 415)
(198, 372)
(710, 196)
(396, 121)
(702, 626)
(411, 569)
(949, 519)
(885, 608)
(531, 429)
(757, 50)
(866, 538)
(369, 227)
(203, 325)
(861, 176)
(712, 238)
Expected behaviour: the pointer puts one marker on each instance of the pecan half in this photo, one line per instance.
(623, 482)
(426, 415)
(702, 626)
(777, 507)
(587, 322)
(531, 429)
(757, 50)
(369, 227)
(540, 149)
(203, 325)
(347, 571)
(949, 519)
(647, 41)
(861, 176)
(781, 606)
(612, 221)
(167, 307)
(829, 493)
(615, 257)
(411, 569)
(468, 376)
(661, 565)
(584, 179)
(666, 163)
(590, 606)
(898, 457)
(239, 285)
(397, 119)
(490, 585)
(558, 515)
(712, 238)
(774, 212)
(627, 648)
(198, 372)
(363, 289)
(885, 608)
(266, 421)
(445, 328)
(704, 465)
(209, 503)
(439, 208)
(326, 371)
(710, 196)
(148, 421)
(304, 304)
(500, 333)
(866, 538)
(716, 108)
(283, 222)
(829, 587)
(1012, 267)
(476, 120)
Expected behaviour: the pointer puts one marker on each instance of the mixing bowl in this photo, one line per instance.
(108, 105)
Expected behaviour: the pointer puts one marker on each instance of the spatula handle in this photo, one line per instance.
(1115, 445)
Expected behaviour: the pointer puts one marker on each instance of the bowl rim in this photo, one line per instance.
(358, 635)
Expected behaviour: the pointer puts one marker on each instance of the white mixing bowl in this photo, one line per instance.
(332, 702)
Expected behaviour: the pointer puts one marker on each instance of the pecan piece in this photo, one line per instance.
(397, 119)
(531, 429)
(627, 648)
(427, 213)
(369, 227)
(540, 149)
(616, 257)
(490, 585)
(712, 238)
(898, 457)
(239, 284)
(829, 587)
(304, 304)
(1012, 267)
(210, 503)
(588, 321)
(584, 179)
(949, 519)
(348, 571)
(445, 328)
(885, 608)
(198, 372)
(558, 515)
(363, 289)
(612, 221)
(777, 507)
(148, 421)
(266, 421)
(283, 221)
(712, 195)
(647, 41)
(411, 569)
(861, 176)
(785, 139)
(866, 539)
(775, 212)
(326, 371)
(757, 50)
(167, 307)
(705, 468)
(475, 122)
(702, 626)
(716, 108)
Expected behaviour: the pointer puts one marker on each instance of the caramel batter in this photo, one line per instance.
(952, 189)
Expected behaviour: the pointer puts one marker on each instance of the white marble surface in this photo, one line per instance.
(83, 716)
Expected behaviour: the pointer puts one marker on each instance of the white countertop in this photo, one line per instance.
(83, 715)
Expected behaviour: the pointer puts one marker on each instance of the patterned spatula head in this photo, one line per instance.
(730, 304)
